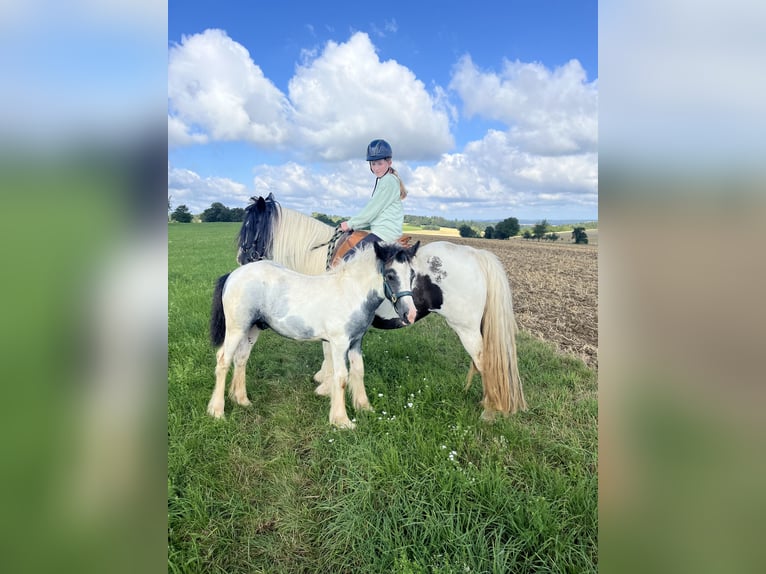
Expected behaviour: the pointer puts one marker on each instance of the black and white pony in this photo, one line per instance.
(467, 286)
(337, 307)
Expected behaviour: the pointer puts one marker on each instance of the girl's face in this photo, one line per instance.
(380, 166)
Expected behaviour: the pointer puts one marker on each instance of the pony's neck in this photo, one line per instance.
(363, 269)
(294, 239)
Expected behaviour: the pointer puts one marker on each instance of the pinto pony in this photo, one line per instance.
(467, 286)
(337, 307)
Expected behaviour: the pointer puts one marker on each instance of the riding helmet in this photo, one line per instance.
(378, 149)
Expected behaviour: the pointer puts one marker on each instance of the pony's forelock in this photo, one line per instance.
(256, 236)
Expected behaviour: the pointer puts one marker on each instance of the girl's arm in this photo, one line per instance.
(386, 193)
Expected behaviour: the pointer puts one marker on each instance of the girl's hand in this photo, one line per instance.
(344, 226)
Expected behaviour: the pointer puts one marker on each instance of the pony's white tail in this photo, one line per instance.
(503, 391)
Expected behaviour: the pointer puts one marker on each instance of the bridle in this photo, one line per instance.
(389, 293)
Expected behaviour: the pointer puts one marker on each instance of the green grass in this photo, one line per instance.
(421, 485)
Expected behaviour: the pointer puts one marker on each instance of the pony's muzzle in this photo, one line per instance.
(412, 312)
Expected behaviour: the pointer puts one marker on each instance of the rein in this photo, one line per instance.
(330, 245)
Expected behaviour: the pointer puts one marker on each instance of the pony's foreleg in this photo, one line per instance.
(223, 362)
(338, 415)
(324, 375)
(238, 389)
(356, 379)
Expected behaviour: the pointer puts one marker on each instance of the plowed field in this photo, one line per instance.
(555, 290)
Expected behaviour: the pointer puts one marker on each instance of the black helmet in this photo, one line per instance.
(378, 149)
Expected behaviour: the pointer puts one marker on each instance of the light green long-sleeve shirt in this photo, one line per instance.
(383, 215)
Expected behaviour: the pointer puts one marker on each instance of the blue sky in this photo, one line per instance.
(491, 107)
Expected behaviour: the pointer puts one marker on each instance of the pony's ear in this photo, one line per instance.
(380, 252)
(414, 249)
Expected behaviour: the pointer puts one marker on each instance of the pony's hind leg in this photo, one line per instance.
(356, 380)
(238, 389)
(472, 341)
(223, 362)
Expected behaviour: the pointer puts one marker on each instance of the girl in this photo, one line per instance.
(383, 215)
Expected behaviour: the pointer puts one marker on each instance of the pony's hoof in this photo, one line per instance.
(244, 402)
(346, 424)
(364, 407)
(488, 416)
(215, 411)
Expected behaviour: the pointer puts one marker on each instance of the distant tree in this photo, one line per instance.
(540, 229)
(579, 235)
(489, 232)
(181, 214)
(216, 212)
(324, 219)
(527, 234)
(507, 228)
(237, 214)
(552, 237)
(467, 231)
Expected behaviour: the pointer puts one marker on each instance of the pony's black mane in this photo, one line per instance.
(385, 252)
(256, 236)
(395, 251)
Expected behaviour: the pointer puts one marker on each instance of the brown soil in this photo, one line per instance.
(555, 290)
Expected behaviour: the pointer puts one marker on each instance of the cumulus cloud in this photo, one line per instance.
(346, 97)
(179, 134)
(215, 87)
(339, 99)
(547, 111)
(543, 164)
(188, 188)
(494, 177)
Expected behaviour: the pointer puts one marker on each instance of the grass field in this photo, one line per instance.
(421, 485)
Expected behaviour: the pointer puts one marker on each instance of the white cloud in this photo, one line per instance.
(547, 112)
(544, 164)
(186, 187)
(339, 100)
(346, 97)
(214, 85)
(496, 178)
(179, 134)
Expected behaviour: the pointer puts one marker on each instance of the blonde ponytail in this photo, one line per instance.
(402, 189)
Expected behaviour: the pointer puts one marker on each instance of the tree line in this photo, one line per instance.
(504, 229)
(216, 212)
(510, 228)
